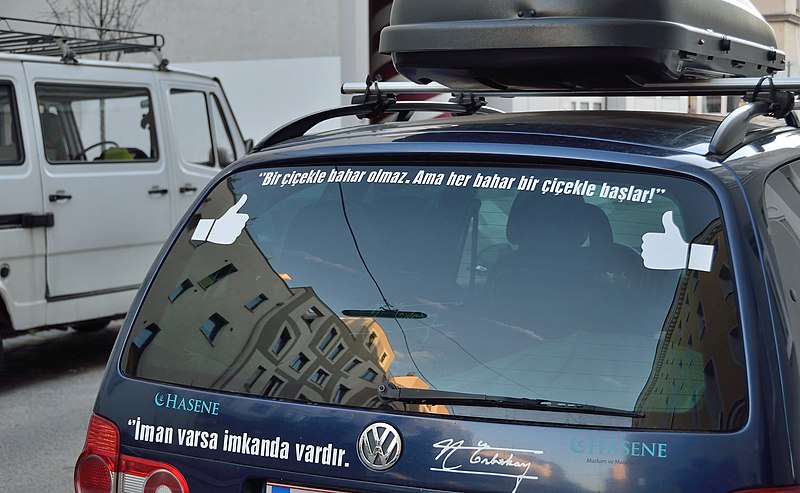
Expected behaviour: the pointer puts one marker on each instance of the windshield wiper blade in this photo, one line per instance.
(389, 392)
(384, 313)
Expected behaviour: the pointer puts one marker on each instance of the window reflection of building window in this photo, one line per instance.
(299, 362)
(312, 314)
(255, 302)
(339, 349)
(341, 391)
(212, 326)
(326, 341)
(371, 339)
(726, 281)
(369, 375)
(320, 376)
(273, 386)
(254, 378)
(217, 276)
(182, 288)
(282, 341)
(352, 364)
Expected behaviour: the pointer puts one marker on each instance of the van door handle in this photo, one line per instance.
(187, 189)
(59, 196)
(158, 191)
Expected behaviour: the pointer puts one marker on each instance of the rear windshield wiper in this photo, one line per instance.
(384, 313)
(389, 392)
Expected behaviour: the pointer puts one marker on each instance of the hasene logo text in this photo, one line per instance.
(613, 448)
(174, 401)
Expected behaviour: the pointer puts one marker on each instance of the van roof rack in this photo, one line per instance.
(29, 37)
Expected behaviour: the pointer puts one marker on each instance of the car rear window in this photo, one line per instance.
(424, 288)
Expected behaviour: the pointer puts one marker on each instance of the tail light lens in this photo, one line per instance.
(101, 469)
(94, 471)
(777, 489)
(147, 476)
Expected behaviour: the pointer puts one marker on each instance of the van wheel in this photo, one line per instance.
(2, 361)
(92, 326)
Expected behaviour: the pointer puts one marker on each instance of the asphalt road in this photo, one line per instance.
(46, 396)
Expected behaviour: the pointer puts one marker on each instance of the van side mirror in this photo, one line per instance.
(248, 146)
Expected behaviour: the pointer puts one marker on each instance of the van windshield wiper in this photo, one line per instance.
(389, 392)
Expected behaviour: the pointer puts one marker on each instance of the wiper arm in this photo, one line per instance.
(389, 392)
(384, 313)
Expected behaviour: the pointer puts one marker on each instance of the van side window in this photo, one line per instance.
(782, 207)
(10, 149)
(87, 124)
(225, 151)
(192, 127)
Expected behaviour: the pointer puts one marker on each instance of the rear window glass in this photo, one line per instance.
(371, 286)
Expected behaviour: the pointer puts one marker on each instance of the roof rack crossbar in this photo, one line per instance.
(29, 37)
(730, 86)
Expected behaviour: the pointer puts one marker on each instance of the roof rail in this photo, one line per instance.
(372, 103)
(29, 37)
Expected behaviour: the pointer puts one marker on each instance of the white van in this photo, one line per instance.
(98, 160)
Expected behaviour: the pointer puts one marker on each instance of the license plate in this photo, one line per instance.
(285, 488)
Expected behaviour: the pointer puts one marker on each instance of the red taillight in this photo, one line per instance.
(775, 489)
(94, 470)
(101, 469)
(147, 476)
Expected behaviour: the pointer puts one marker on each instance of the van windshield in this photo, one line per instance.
(344, 284)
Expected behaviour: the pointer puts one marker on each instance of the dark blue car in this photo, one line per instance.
(537, 302)
(573, 301)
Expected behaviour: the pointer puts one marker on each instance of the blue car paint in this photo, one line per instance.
(452, 454)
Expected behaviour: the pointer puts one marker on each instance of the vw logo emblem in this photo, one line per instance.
(379, 446)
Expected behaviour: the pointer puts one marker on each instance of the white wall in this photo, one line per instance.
(267, 93)
(277, 59)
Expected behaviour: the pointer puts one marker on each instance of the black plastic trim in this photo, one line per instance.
(27, 221)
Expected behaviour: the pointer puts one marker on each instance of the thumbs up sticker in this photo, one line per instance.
(669, 251)
(224, 230)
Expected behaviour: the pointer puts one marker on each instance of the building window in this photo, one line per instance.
(352, 364)
(326, 341)
(255, 302)
(371, 339)
(320, 376)
(299, 362)
(369, 375)
(273, 386)
(339, 349)
(312, 314)
(178, 291)
(212, 326)
(254, 377)
(217, 276)
(341, 391)
(282, 341)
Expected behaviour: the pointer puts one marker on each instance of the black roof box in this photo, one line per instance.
(536, 44)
